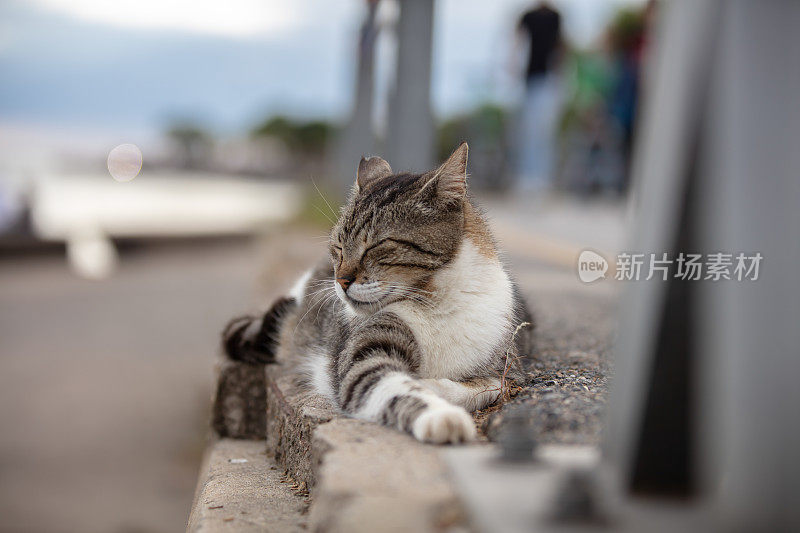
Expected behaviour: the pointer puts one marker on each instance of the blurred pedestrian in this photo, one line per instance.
(628, 37)
(541, 28)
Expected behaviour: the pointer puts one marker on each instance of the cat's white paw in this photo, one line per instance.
(444, 423)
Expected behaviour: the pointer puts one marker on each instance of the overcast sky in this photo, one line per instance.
(139, 64)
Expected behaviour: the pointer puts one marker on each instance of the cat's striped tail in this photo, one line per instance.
(254, 339)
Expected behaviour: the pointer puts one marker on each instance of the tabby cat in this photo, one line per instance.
(411, 323)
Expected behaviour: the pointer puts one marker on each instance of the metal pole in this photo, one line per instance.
(358, 137)
(705, 397)
(411, 128)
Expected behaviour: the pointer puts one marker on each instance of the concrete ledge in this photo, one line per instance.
(372, 478)
(292, 417)
(240, 489)
(240, 400)
(362, 476)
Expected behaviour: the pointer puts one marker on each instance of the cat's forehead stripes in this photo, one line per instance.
(383, 195)
(387, 191)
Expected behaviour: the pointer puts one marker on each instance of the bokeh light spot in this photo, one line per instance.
(125, 162)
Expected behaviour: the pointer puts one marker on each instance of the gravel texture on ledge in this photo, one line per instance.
(569, 372)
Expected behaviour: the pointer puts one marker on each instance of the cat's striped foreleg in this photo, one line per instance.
(374, 382)
(472, 394)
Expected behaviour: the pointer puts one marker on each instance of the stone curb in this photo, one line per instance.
(362, 476)
(239, 400)
(372, 478)
(292, 417)
(240, 489)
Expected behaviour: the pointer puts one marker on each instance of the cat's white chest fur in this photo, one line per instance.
(471, 319)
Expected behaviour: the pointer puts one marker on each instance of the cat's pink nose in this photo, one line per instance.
(345, 282)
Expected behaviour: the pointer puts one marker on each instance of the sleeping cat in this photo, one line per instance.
(411, 323)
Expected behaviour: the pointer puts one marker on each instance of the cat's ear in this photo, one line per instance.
(371, 169)
(450, 179)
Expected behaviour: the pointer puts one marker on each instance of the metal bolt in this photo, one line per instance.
(516, 435)
(576, 500)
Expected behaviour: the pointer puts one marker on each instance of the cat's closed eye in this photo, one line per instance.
(378, 250)
(336, 254)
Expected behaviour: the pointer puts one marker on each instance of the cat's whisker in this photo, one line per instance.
(409, 288)
(313, 302)
(318, 288)
(320, 283)
(319, 297)
(323, 304)
(323, 213)
(319, 292)
(415, 298)
(321, 286)
(323, 197)
(416, 289)
(412, 293)
(425, 294)
(317, 283)
(301, 320)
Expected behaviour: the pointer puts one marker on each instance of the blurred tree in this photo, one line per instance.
(192, 144)
(485, 129)
(626, 29)
(301, 138)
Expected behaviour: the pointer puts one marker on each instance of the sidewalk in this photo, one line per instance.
(555, 231)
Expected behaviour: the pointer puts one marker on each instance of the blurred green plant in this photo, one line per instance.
(626, 28)
(485, 125)
(192, 143)
(486, 129)
(300, 137)
(319, 208)
(589, 80)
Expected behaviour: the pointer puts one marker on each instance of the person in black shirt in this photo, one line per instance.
(541, 27)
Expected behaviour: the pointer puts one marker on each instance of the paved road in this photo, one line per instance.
(104, 386)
